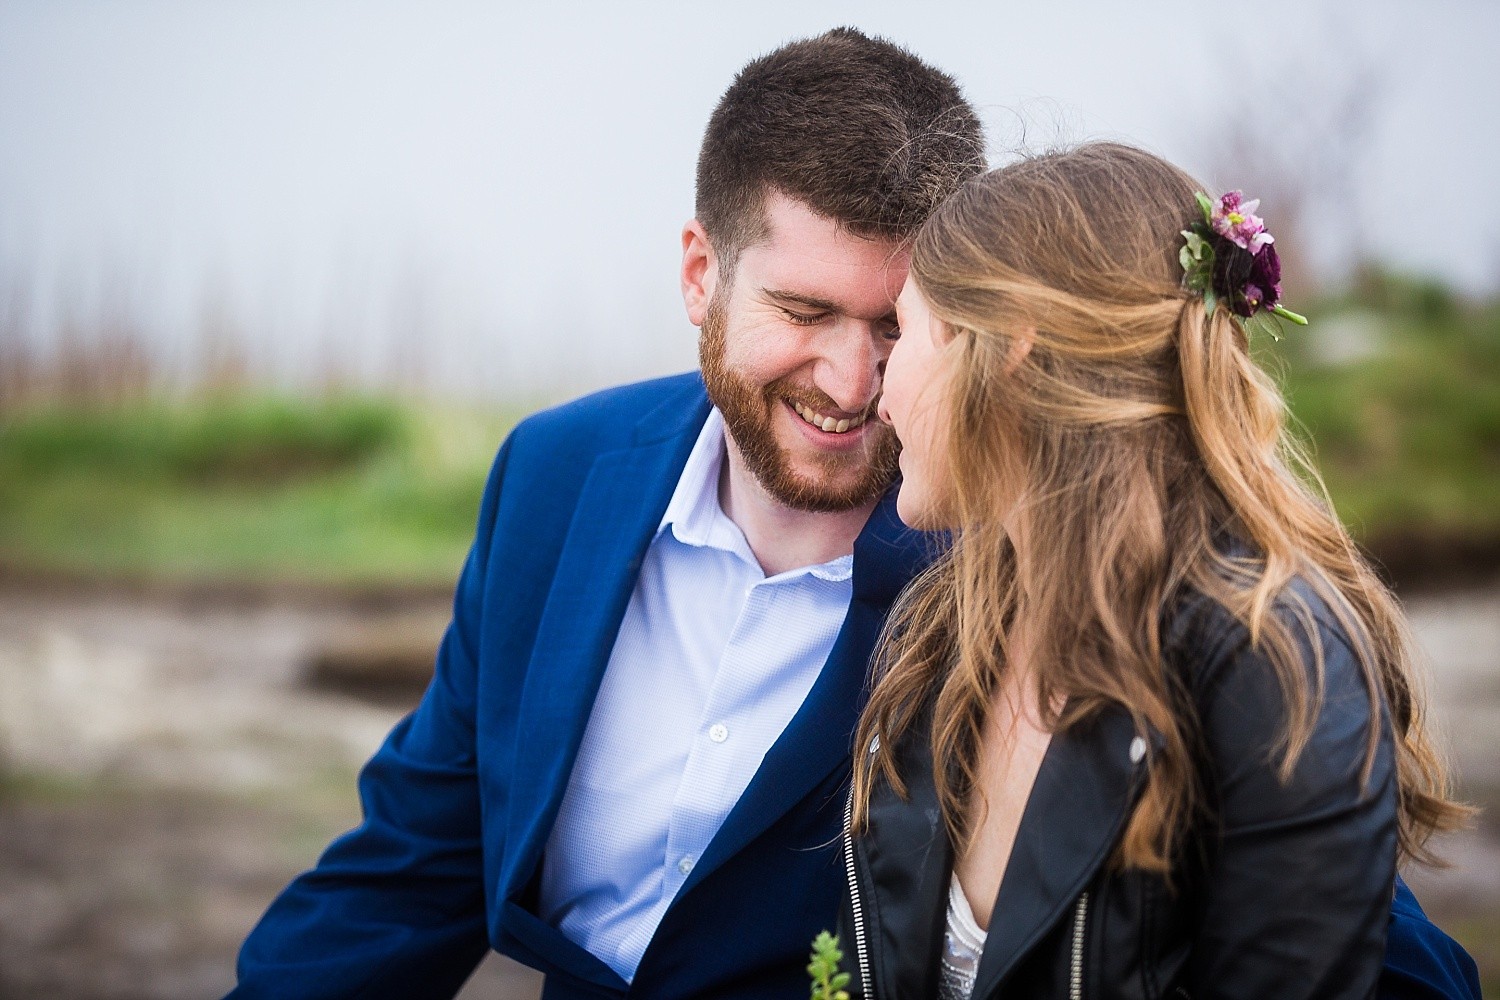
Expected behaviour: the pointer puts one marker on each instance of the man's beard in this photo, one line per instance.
(748, 413)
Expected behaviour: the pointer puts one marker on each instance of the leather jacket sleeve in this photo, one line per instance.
(1297, 891)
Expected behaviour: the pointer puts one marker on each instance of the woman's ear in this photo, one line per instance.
(1020, 345)
(700, 271)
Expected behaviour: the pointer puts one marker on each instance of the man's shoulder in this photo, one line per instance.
(560, 444)
(617, 416)
(547, 461)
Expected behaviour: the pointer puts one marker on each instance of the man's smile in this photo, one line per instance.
(826, 423)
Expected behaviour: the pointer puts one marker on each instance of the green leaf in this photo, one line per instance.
(1287, 314)
(1262, 324)
(827, 981)
(1210, 302)
(1207, 206)
(1196, 257)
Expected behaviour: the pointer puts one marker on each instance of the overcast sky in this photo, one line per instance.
(493, 199)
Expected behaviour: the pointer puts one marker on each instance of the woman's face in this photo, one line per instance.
(914, 402)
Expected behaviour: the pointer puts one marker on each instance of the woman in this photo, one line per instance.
(1148, 728)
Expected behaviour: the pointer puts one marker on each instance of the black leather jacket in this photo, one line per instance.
(1284, 891)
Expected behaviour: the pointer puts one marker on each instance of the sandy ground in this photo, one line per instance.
(165, 767)
(168, 767)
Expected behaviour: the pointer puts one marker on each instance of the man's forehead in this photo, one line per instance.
(792, 264)
(792, 223)
(820, 262)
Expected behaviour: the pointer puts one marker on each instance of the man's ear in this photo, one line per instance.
(700, 271)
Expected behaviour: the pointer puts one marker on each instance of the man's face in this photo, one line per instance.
(793, 353)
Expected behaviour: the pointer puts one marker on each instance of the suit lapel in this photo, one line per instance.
(1072, 822)
(816, 741)
(616, 517)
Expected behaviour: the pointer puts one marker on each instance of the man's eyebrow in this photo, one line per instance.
(793, 298)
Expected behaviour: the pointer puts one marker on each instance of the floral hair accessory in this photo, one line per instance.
(1229, 256)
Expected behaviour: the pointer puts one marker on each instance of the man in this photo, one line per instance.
(628, 769)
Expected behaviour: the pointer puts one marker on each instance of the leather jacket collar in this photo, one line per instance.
(1088, 780)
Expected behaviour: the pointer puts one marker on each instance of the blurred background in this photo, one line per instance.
(276, 277)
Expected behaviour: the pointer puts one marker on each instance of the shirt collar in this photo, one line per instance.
(695, 518)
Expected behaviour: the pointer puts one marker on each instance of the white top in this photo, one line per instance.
(711, 662)
(963, 943)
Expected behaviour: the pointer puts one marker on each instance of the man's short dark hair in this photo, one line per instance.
(857, 128)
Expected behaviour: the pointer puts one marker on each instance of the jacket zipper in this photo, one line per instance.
(1080, 918)
(855, 905)
(1075, 966)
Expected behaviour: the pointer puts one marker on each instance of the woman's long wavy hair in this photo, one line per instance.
(1132, 440)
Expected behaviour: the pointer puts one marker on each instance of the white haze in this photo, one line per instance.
(487, 202)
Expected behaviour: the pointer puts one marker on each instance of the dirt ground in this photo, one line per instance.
(166, 766)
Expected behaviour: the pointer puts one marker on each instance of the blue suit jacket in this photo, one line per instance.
(460, 799)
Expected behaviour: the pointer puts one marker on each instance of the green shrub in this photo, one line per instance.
(1408, 439)
(241, 440)
(343, 490)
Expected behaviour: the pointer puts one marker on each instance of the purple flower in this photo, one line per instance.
(1235, 220)
(1265, 277)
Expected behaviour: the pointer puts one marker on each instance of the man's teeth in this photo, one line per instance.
(831, 425)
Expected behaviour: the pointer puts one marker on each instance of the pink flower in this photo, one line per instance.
(1235, 220)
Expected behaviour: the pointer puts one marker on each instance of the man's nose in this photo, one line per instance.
(853, 366)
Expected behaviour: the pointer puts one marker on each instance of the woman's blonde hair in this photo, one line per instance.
(1147, 456)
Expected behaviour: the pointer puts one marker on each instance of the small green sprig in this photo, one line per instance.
(1197, 259)
(828, 983)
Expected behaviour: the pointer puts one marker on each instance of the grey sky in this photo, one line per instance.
(494, 197)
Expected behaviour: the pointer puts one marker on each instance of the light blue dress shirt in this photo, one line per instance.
(712, 660)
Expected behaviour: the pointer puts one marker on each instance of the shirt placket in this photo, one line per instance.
(719, 765)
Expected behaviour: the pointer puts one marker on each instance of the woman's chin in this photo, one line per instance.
(916, 510)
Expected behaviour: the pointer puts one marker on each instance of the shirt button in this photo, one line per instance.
(718, 732)
(686, 864)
